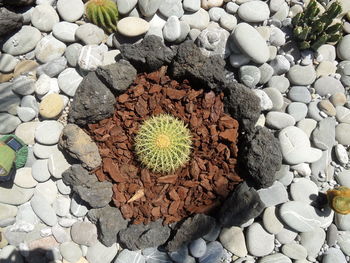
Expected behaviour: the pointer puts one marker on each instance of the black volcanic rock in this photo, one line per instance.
(17, 2)
(192, 228)
(9, 21)
(242, 104)
(93, 101)
(261, 157)
(242, 205)
(204, 72)
(96, 194)
(149, 55)
(142, 236)
(109, 221)
(117, 76)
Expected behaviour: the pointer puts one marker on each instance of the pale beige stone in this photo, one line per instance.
(207, 4)
(26, 66)
(132, 26)
(327, 107)
(338, 99)
(325, 68)
(51, 106)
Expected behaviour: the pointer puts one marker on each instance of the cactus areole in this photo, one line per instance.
(163, 143)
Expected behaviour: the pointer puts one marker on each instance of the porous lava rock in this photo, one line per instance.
(149, 55)
(9, 21)
(261, 157)
(96, 194)
(142, 236)
(93, 101)
(205, 72)
(192, 228)
(242, 205)
(79, 145)
(242, 104)
(109, 222)
(117, 76)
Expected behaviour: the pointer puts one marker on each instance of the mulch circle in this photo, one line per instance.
(198, 187)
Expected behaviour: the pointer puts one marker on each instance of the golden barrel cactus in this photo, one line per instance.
(163, 143)
(339, 200)
(103, 13)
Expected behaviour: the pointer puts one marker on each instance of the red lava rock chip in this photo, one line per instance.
(199, 186)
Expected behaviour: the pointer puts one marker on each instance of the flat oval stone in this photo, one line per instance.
(302, 75)
(271, 222)
(276, 98)
(251, 43)
(70, 251)
(49, 48)
(297, 110)
(7, 63)
(303, 217)
(342, 132)
(65, 31)
(8, 123)
(198, 247)
(7, 211)
(275, 258)
(233, 240)
(313, 241)
(51, 106)
(24, 178)
(295, 146)
(328, 85)
(333, 255)
(43, 209)
(279, 120)
(259, 242)
(294, 251)
(304, 190)
(343, 48)
(44, 17)
(15, 195)
(299, 94)
(40, 171)
(48, 132)
(132, 26)
(90, 34)
(70, 10)
(23, 41)
(47, 189)
(343, 114)
(198, 20)
(254, 11)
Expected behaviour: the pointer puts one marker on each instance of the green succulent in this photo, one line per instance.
(312, 30)
(103, 13)
(163, 143)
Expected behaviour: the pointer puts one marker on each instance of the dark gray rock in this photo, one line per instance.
(242, 104)
(117, 76)
(93, 101)
(96, 194)
(189, 63)
(261, 157)
(192, 228)
(109, 222)
(17, 2)
(9, 21)
(323, 136)
(242, 205)
(149, 55)
(142, 236)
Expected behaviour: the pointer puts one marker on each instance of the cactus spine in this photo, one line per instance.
(312, 30)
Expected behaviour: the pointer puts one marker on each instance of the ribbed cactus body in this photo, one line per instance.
(339, 199)
(103, 13)
(312, 30)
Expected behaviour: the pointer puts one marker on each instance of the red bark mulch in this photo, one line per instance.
(198, 187)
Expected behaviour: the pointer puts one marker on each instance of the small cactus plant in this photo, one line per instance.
(163, 143)
(339, 199)
(103, 13)
(312, 30)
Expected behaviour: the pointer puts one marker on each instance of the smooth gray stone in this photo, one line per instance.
(323, 135)
(322, 166)
(171, 8)
(259, 242)
(286, 235)
(299, 94)
(149, 7)
(98, 253)
(343, 241)
(270, 220)
(343, 114)
(313, 241)
(130, 256)
(84, 233)
(65, 31)
(72, 54)
(48, 132)
(307, 125)
(297, 110)
(172, 29)
(49, 48)
(215, 13)
(313, 111)
(273, 195)
(8, 99)
(43, 209)
(8, 123)
(328, 85)
(191, 5)
(70, 10)
(70, 251)
(279, 120)
(40, 170)
(249, 75)
(23, 41)
(343, 48)
(266, 72)
(7, 63)
(198, 248)
(275, 258)
(294, 251)
(90, 34)
(62, 188)
(304, 190)
(276, 98)
(53, 67)
(26, 114)
(254, 11)
(333, 255)
(44, 17)
(332, 234)
(342, 221)
(125, 6)
(342, 132)
(280, 65)
(302, 75)
(23, 85)
(279, 82)
(343, 178)
(198, 20)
